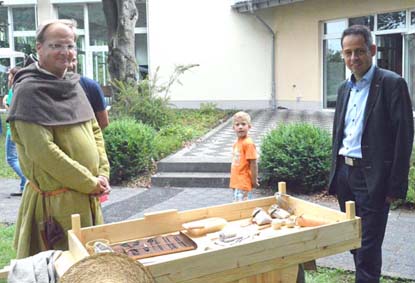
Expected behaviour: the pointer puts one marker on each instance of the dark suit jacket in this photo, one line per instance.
(388, 131)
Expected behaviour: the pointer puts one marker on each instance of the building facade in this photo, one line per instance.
(20, 18)
(253, 52)
(250, 53)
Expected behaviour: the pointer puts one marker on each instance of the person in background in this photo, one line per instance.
(373, 132)
(60, 144)
(11, 152)
(95, 96)
(244, 169)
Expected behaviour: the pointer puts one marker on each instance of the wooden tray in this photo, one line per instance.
(155, 246)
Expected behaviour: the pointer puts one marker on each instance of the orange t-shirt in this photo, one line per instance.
(242, 151)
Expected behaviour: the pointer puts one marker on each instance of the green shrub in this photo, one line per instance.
(298, 154)
(171, 138)
(208, 107)
(410, 197)
(141, 102)
(130, 149)
(147, 100)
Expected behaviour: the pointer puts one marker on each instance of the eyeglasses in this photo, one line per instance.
(62, 47)
(357, 52)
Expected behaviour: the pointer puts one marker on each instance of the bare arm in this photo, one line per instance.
(254, 173)
(102, 118)
(5, 101)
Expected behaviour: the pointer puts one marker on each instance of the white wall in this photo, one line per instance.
(233, 51)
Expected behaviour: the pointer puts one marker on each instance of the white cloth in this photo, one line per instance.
(39, 268)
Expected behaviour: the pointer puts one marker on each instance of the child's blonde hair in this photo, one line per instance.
(242, 115)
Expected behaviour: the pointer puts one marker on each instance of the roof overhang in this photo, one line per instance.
(244, 6)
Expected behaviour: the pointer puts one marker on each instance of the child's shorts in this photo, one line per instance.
(240, 195)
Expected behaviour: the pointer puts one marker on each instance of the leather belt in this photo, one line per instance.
(47, 194)
(352, 161)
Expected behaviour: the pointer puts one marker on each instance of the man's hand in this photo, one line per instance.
(102, 188)
(390, 200)
(255, 183)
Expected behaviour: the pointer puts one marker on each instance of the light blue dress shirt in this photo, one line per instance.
(353, 122)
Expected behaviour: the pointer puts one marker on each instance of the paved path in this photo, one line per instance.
(130, 203)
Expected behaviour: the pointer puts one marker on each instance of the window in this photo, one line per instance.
(4, 62)
(97, 25)
(75, 12)
(4, 28)
(141, 54)
(93, 37)
(368, 21)
(25, 44)
(410, 65)
(390, 21)
(100, 59)
(413, 18)
(333, 65)
(142, 14)
(24, 19)
(81, 55)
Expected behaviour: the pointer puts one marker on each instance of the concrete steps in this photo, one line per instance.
(191, 179)
(207, 163)
(192, 174)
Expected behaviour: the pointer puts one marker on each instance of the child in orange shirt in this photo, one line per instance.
(244, 170)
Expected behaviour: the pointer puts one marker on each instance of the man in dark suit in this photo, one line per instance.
(372, 142)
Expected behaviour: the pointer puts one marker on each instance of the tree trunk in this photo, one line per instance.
(121, 16)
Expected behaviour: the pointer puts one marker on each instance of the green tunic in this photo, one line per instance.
(54, 157)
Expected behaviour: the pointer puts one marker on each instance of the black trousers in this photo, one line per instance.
(350, 184)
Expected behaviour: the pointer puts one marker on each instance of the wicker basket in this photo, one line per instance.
(107, 268)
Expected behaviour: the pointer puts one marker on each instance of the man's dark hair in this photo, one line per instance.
(359, 30)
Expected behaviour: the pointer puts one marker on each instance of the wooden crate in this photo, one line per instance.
(273, 256)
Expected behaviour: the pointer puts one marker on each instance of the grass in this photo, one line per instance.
(6, 243)
(326, 275)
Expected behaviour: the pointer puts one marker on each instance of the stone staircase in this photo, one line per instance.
(206, 164)
(192, 174)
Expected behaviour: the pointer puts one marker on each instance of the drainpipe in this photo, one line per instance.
(273, 94)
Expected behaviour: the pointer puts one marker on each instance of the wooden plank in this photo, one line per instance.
(282, 188)
(350, 210)
(64, 262)
(76, 225)
(237, 273)
(300, 207)
(286, 275)
(4, 272)
(146, 227)
(314, 240)
(76, 248)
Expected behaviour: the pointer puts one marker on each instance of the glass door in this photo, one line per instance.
(410, 65)
(389, 52)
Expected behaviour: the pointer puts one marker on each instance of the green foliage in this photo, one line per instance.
(148, 100)
(410, 197)
(324, 275)
(141, 102)
(172, 137)
(186, 125)
(298, 154)
(130, 149)
(208, 107)
(6, 245)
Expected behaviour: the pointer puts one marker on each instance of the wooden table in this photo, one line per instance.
(271, 256)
